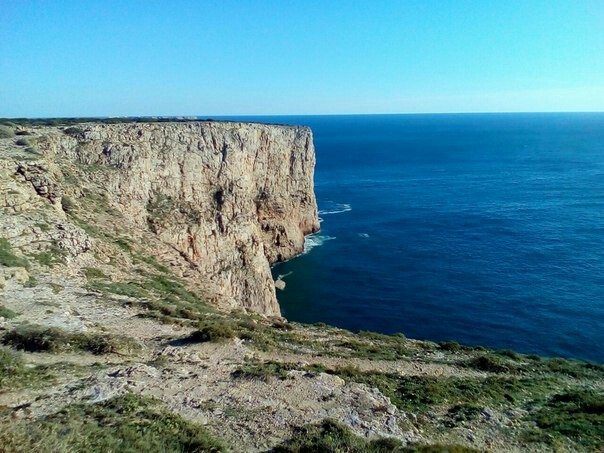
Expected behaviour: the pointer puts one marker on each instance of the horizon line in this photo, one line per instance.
(209, 116)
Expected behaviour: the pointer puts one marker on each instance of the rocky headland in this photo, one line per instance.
(138, 312)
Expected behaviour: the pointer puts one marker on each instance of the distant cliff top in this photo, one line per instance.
(64, 122)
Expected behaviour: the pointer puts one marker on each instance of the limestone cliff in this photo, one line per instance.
(231, 198)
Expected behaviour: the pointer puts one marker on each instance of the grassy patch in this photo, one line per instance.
(23, 142)
(8, 258)
(126, 424)
(11, 366)
(330, 436)
(130, 289)
(573, 368)
(15, 374)
(577, 414)
(123, 244)
(56, 288)
(264, 371)
(7, 313)
(422, 393)
(54, 255)
(216, 332)
(165, 298)
(93, 272)
(73, 130)
(6, 132)
(490, 363)
(150, 260)
(32, 338)
(450, 346)
(68, 204)
(462, 413)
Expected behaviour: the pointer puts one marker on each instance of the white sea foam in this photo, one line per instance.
(335, 208)
(282, 276)
(363, 235)
(315, 240)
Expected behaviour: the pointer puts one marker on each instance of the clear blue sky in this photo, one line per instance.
(177, 57)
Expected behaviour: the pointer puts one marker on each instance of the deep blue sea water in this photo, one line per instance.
(487, 229)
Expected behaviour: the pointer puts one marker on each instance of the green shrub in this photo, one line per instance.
(129, 289)
(572, 368)
(125, 424)
(92, 272)
(7, 313)
(32, 150)
(330, 436)
(68, 204)
(23, 142)
(123, 244)
(577, 414)
(54, 255)
(73, 130)
(450, 346)
(214, 332)
(421, 393)
(264, 371)
(33, 338)
(462, 412)
(6, 132)
(489, 363)
(8, 258)
(11, 366)
(283, 325)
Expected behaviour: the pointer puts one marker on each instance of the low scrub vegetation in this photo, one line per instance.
(7, 313)
(33, 338)
(15, 374)
(128, 424)
(264, 371)
(330, 436)
(73, 130)
(421, 393)
(6, 131)
(8, 258)
(23, 142)
(50, 257)
(577, 414)
(93, 272)
(68, 205)
(216, 332)
(11, 366)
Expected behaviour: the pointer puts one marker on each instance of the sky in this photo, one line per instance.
(253, 57)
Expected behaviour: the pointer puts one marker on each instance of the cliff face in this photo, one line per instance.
(230, 198)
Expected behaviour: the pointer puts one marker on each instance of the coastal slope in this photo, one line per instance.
(137, 313)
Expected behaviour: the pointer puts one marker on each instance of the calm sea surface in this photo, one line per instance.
(485, 229)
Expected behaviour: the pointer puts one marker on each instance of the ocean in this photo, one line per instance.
(486, 229)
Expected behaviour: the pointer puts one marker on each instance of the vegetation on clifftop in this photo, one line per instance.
(128, 424)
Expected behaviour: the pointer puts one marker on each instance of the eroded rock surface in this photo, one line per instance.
(230, 198)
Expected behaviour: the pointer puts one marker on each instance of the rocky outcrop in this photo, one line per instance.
(231, 198)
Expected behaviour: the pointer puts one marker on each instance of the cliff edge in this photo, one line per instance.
(230, 198)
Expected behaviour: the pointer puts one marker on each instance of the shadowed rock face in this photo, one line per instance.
(231, 198)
